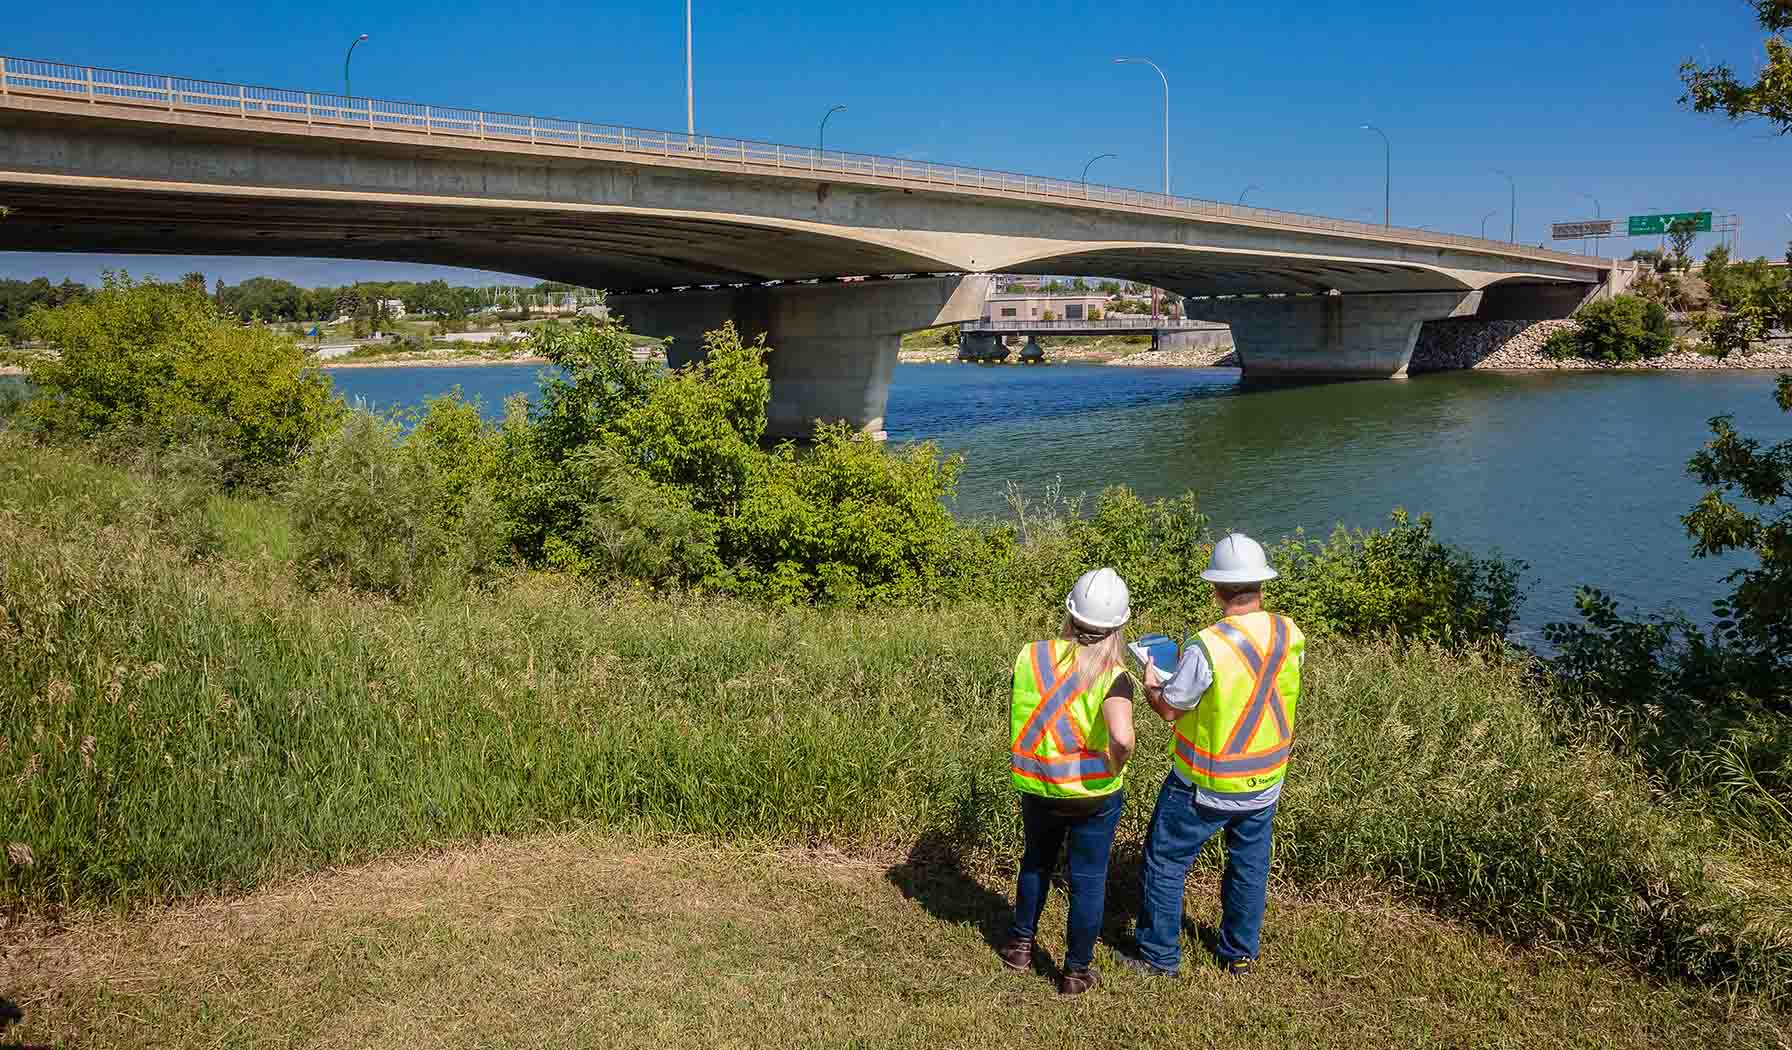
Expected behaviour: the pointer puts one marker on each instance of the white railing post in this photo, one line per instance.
(531, 131)
(429, 122)
(482, 125)
(87, 79)
(3, 88)
(369, 113)
(242, 101)
(307, 109)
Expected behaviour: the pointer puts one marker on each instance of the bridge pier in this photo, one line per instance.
(834, 345)
(1361, 335)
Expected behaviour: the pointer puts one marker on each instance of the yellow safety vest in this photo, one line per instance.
(1058, 741)
(1236, 740)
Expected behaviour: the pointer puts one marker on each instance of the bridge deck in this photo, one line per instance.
(36, 84)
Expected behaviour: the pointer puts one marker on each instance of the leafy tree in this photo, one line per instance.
(1757, 616)
(1717, 275)
(1734, 331)
(1617, 330)
(1681, 234)
(1715, 89)
(156, 361)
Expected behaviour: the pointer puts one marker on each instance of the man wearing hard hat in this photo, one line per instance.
(1232, 701)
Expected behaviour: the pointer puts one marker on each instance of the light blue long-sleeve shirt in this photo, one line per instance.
(1193, 677)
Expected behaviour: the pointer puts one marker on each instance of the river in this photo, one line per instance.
(1580, 474)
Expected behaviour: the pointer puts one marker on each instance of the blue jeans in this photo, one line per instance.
(1091, 837)
(1179, 828)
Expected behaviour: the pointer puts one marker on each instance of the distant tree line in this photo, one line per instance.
(17, 298)
(272, 299)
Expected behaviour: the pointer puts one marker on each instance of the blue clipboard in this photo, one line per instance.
(1159, 651)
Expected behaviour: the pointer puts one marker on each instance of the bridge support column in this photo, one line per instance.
(833, 345)
(980, 346)
(1362, 335)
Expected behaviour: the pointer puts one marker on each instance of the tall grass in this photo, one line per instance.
(179, 718)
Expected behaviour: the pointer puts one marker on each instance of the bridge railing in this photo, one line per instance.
(1140, 324)
(41, 78)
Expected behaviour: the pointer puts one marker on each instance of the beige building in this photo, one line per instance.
(1007, 306)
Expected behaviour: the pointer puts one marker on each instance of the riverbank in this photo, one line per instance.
(427, 359)
(211, 723)
(1517, 346)
(1100, 350)
(582, 940)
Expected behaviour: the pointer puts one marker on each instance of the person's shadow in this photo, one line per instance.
(935, 877)
(10, 1014)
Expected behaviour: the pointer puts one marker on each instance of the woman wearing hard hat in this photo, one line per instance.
(1070, 734)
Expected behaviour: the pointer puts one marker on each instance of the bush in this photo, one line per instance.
(1400, 581)
(157, 361)
(847, 522)
(1616, 331)
(373, 513)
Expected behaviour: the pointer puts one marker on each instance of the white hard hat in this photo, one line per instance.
(1099, 600)
(1238, 559)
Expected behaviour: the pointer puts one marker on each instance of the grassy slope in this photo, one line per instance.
(596, 942)
(245, 731)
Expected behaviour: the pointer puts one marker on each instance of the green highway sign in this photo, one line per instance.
(1643, 225)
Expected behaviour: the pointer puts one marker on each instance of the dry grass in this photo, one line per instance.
(586, 941)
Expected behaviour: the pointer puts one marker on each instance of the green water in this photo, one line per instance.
(1579, 474)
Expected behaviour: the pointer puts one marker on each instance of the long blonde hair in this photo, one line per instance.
(1094, 659)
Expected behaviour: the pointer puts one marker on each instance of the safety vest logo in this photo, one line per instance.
(1235, 760)
(1051, 748)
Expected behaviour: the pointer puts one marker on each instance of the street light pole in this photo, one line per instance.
(1166, 80)
(1247, 189)
(1092, 160)
(690, 104)
(1387, 177)
(1512, 231)
(821, 136)
(346, 93)
(1484, 219)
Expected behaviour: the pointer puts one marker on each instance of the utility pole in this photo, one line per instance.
(690, 105)
(1387, 175)
(346, 93)
(1512, 231)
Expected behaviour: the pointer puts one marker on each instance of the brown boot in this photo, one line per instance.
(1076, 982)
(1017, 954)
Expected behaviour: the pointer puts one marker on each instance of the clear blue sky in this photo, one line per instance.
(1571, 99)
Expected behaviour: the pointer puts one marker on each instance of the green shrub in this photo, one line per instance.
(848, 522)
(1400, 580)
(1618, 330)
(157, 360)
(372, 513)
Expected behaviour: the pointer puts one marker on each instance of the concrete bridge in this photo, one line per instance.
(691, 230)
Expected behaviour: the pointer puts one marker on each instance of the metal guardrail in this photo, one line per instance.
(1128, 324)
(36, 77)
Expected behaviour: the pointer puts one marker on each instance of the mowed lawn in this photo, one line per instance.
(580, 941)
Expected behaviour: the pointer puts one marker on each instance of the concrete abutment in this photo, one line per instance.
(1363, 335)
(834, 345)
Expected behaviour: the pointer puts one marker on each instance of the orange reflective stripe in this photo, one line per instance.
(1226, 767)
(1028, 741)
(1067, 769)
(1263, 692)
(1253, 664)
